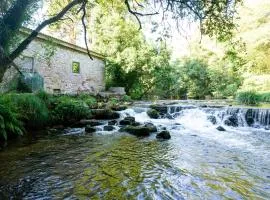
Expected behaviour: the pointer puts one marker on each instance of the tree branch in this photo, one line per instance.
(35, 32)
(136, 14)
(84, 29)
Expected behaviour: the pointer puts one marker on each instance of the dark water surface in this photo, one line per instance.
(197, 163)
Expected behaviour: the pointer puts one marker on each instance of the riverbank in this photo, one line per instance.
(21, 113)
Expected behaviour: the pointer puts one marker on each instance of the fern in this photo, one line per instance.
(9, 121)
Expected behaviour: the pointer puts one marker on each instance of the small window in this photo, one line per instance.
(76, 67)
(56, 91)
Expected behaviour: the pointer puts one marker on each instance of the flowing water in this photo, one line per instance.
(199, 162)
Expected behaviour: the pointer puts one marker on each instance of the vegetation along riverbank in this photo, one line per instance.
(21, 112)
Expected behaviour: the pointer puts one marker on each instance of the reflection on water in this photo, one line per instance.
(194, 164)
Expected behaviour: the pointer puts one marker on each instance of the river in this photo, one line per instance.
(198, 162)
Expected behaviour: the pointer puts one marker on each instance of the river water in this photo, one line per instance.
(198, 162)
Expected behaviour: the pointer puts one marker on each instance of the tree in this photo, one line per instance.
(215, 17)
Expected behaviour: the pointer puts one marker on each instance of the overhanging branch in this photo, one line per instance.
(35, 32)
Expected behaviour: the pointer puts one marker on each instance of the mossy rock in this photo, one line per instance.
(90, 122)
(127, 121)
(152, 113)
(104, 114)
(162, 109)
(164, 135)
(152, 128)
(119, 107)
(136, 130)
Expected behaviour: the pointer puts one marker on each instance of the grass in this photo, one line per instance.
(248, 98)
(252, 97)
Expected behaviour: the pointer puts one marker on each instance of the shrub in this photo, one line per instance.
(31, 109)
(69, 110)
(126, 98)
(248, 97)
(264, 97)
(91, 102)
(10, 125)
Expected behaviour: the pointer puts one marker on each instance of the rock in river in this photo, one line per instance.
(152, 128)
(108, 128)
(220, 128)
(127, 121)
(164, 135)
(90, 122)
(152, 113)
(90, 129)
(231, 121)
(212, 119)
(104, 114)
(136, 130)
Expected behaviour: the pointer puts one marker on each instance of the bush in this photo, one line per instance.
(126, 98)
(264, 97)
(91, 102)
(69, 110)
(10, 125)
(248, 97)
(31, 109)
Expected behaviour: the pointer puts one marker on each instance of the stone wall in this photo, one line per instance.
(57, 69)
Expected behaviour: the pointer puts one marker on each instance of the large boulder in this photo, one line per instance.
(152, 113)
(90, 122)
(162, 109)
(152, 128)
(231, 121)
(108, 128)
(90, 129)
(104, 114)
(164, 135)
(136, 130)
(212, 119)
(127, 121)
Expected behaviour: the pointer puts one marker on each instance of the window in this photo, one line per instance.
(76, 67)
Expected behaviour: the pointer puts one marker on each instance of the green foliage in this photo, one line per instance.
(44, 96)
(126, 98)
(248, 97)
(32, 110)
(91, 102)
(112, 102)
(10, 124)
(20, 111)
(69, 110)
(264, 97)
(195, 80)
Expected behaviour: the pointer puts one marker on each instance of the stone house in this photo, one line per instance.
(58, 67)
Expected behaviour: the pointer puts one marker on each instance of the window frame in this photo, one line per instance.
(79, 66)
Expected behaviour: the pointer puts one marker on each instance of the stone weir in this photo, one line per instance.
(228, 115)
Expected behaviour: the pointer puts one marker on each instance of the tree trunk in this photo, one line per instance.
(3, 69)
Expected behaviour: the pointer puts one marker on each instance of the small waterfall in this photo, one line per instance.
(255, 117)
(233, 116)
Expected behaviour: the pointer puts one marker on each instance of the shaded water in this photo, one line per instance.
(199, 162)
